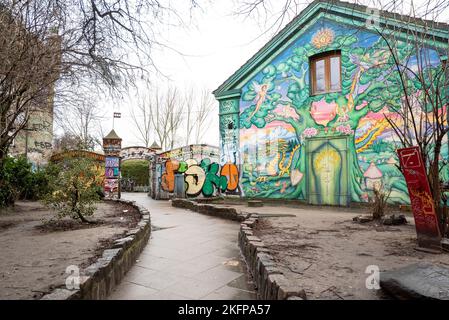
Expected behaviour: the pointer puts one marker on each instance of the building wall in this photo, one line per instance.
(137, 152)
(36, 142)
(284, 134)
(200, 169)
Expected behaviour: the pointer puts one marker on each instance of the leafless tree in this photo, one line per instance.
(142, 121)
(274, 14)
(48, 44)
(82, 120)
(174, 118)
(159, 112)
(206, 105)
(173, 107)
(420, 70)
(189, 115)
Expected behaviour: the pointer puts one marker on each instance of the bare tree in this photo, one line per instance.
(189, 115)
(174, 108)
(206, 106)
(61, 43)
(159, 112)
(82, 120)
(28, 71)
(420, 71)
(143, 122)
(272, 15)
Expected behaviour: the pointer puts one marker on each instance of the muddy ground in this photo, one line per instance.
(324, 252)
(35, 253)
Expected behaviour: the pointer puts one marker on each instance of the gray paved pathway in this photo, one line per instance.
(189, 256)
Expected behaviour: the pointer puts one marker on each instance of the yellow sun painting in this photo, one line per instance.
(323, 38)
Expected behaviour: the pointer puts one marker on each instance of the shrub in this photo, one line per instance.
(137, 171)
(74, 189)
(379, 200)
(19, 181)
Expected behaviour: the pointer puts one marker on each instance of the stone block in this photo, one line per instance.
(417, 281)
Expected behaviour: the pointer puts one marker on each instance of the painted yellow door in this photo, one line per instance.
(327, 171)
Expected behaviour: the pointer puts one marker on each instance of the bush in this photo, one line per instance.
(19, 181)
(74, 189)
(137, 171)
(379, 200)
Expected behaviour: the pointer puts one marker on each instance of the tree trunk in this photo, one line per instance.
(435, 186)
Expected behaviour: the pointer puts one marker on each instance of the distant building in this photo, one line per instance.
(36, 140)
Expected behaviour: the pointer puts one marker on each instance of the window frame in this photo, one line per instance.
(326, 56)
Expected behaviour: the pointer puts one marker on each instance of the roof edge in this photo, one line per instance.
(227, 88)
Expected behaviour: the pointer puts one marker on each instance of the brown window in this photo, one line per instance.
(325, 72)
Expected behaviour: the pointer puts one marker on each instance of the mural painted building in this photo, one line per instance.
(304, 118)
(190, 171)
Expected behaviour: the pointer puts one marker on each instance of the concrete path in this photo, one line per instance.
(189, 256)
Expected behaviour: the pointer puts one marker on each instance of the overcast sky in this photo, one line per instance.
(214, 45)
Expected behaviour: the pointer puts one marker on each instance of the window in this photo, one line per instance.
(325, 72)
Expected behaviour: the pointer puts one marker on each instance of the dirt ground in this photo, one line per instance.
(324, 252)
(34, 254)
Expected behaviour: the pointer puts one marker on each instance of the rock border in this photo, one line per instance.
(229, 213)
(97, 280)
(271, 284)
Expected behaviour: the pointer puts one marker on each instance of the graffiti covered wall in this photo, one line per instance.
(288, 141)
(137, 152)
(36, 141)
(199, 167)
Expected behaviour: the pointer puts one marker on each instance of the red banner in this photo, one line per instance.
(421, 200)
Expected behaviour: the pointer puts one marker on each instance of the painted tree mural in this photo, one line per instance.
(279, 97)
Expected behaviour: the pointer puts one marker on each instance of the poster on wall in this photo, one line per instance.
(112, 173)
(112, 162)
(112, 147)
(111, 186)
(421, 200)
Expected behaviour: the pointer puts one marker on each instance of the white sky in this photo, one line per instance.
(215, 45)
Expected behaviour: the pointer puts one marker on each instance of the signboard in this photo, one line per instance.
(112, 162)
(112, 147)
(111, 186)
(421, 200)
(112, 173)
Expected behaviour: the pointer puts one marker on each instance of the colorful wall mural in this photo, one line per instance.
(112, 145)
(201, 172)
(279, 118)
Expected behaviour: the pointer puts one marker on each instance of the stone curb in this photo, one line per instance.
(271, 284)
(210, 209)
(97, 280)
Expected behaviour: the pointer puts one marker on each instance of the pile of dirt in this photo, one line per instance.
(331, 257)
(36, 249)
